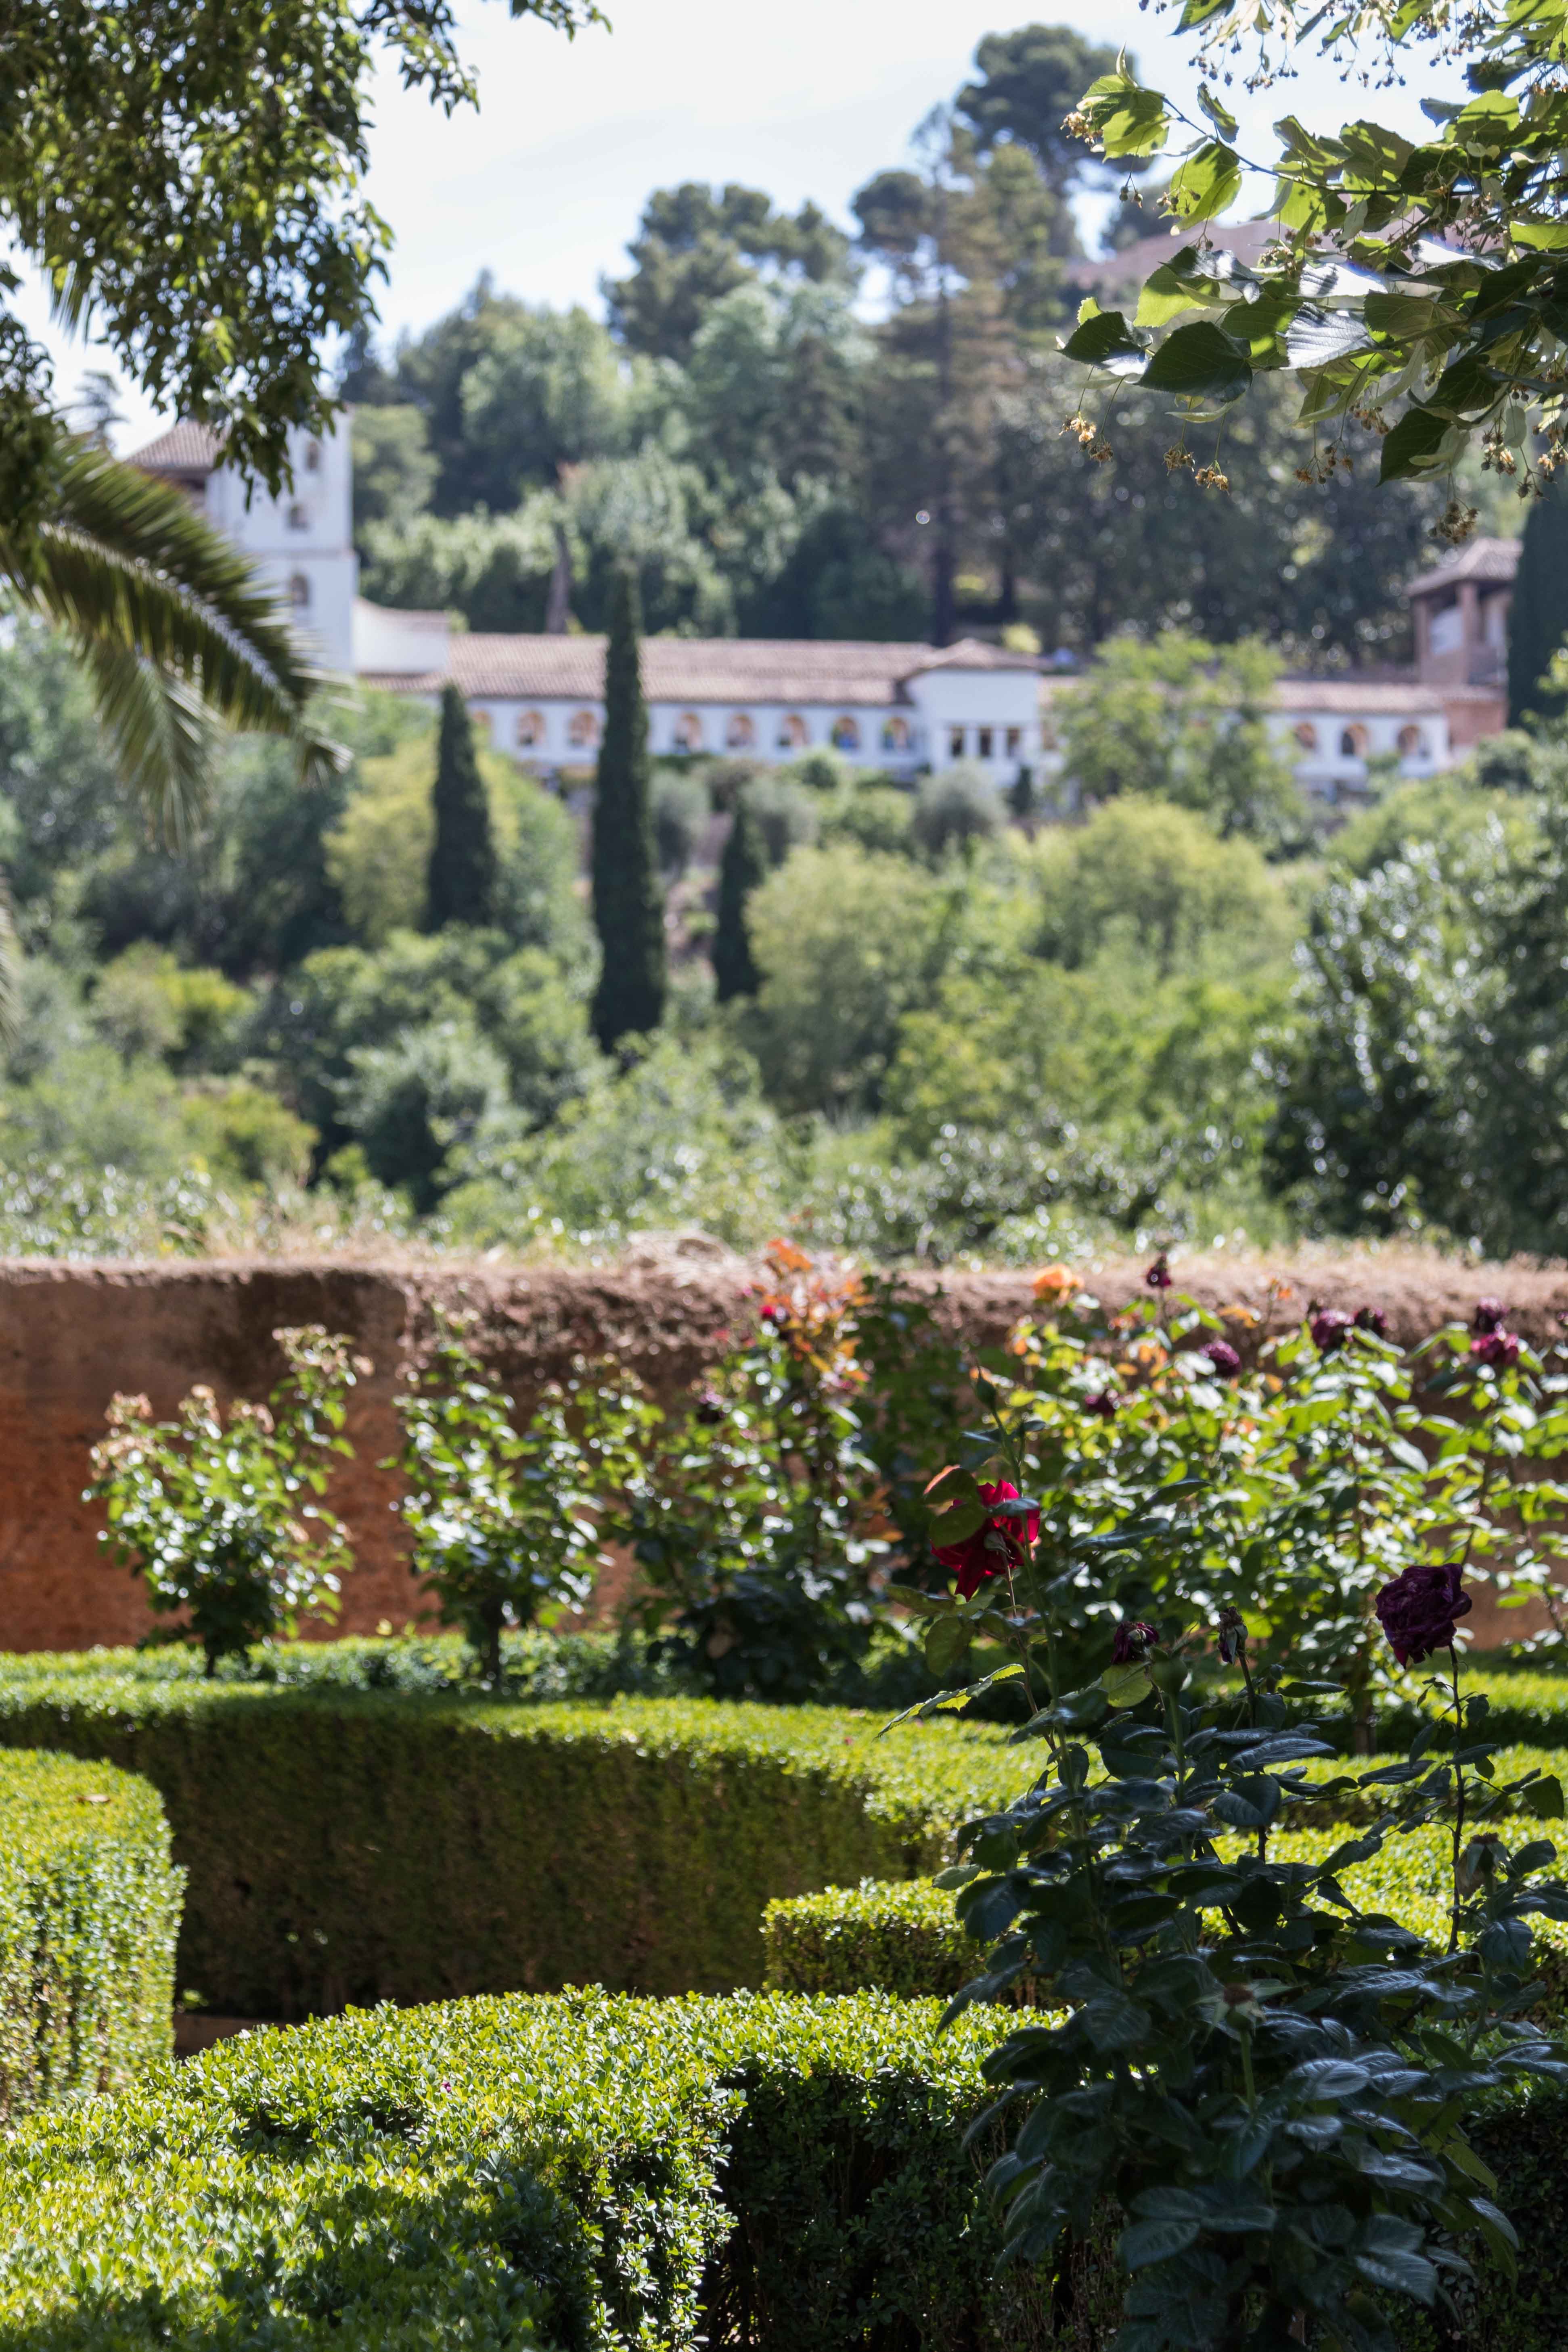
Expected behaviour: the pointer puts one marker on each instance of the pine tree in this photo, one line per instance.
(1538, 619)
(462, 873)
(744, 865)
(629, 911)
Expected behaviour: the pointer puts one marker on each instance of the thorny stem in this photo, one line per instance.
(1252, 1720)
(1458, 1803)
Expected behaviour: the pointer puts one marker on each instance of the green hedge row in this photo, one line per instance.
(347, 1845)
(89, 1906)
(590, 2173)
(902, 1937)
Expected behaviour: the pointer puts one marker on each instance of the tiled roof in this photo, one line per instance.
(1352, 698)
(186, 448)
(1486, 561)
(703, 669)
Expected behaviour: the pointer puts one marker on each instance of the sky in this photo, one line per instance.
(544, 185)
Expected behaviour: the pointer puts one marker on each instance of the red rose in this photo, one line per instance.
(1420, 1609)
(1002, 1542)
(1489, 1315)
(1497, 1348)
(1103, 1404)
(1159, 1275)
(1329, 1328)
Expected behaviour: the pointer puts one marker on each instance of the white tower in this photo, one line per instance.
(303, 542)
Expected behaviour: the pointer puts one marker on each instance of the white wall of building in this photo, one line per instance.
(302, 542)
(1332, 749)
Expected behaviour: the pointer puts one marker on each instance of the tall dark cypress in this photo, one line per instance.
(628, 908)
(462, 873)
(1538, 618)
(744, 865)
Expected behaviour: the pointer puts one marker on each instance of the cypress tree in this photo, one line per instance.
(628, 910)
(1538, 619)
(744, 865)
(462, 873)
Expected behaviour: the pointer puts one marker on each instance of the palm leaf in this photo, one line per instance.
(10, 972)
(174, 623)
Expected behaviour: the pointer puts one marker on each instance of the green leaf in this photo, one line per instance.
(1544, 1797)
(1199, 361)
(1219, 113)
(1206, 185)
(947, 1645)
(1128, 119)
(1126, 1686)
(1103, 340)
(1155, 2241)
(1412, 445)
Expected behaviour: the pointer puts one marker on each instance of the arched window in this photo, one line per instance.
(583, 730)
(955, 742)
(314, 457)
(299, 593)
(844, 734)
(983, 742)
(689, 731)
(1412, 744)
(740, 735)
(794, 732)
(1306, 735)
(299, 517)
(896, 735)
(484, 723)
(1353, 743)
(530, 730)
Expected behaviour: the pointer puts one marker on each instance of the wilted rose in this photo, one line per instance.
(709, 1408)
(1159, 1275)
(1104, 1403)
(1001, 1542)
(1223, 1357)
(1232, 1634)
(1479, 1861)
(1373, 1320)
(1497, 1348)
(1489, 1315)
(1329, 1328)
(1132, 1643)
(1420, 1609)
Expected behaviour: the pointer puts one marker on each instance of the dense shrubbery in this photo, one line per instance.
(90, 1907)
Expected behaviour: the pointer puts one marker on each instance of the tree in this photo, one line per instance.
(1455, 243)
(629, 911)
(461, 885)
(1030, 81)
(742, 867)
(1538, 619)
(195, 183)
(694, 246)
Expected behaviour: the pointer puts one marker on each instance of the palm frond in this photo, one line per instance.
(10, 970)
(145, 584)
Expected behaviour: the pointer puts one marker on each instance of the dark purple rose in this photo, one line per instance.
(1497, 1348)
(1132, 1643)
(1329, 1328)
(1419, 1609)
(1373, 1320)
(709, 1409)
(997, 1544)
(1489, 1315)
(1223, 1358)
(1232, 1634)
(1103, 1404)
(1159, 1275)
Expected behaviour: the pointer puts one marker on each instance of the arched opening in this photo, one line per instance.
(794, 732)
(299, 593)
(1306, 735)
(1353, 743)
(844, 734)
(740, 735)
(299, 517)
(896, 735)
(530, 730)
(1412, 744)
(689, 732)
(583, 730)
(314, 457)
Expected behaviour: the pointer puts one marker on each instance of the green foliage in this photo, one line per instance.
(742, 869)
(589, 2173)
(899, 1937)
(460, 886)
(1538, 612)
(394, 467)
(954, 807)
(694, 247)
(629, 911)
(90, 1907)
(503, 1518)
(680, 808)
(457, 1821)
(215, 1511)
(1183, 721)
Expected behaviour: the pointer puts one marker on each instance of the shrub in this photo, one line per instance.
(680, 809)
(90, 1907)
(347, 1845)
(213, 1511)
(958, 805)
(900, 1938)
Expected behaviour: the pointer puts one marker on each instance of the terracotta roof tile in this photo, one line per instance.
(1485, 560)
(709, 669)
(186, 448)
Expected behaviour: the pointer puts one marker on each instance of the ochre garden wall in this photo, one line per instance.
(72, 1335)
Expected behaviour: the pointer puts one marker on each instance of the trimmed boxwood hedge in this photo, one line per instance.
(590, 2173)
(351, 1846)
(89, 1906)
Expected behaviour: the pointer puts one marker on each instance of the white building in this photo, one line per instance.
(303, 542)
(900, 708)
